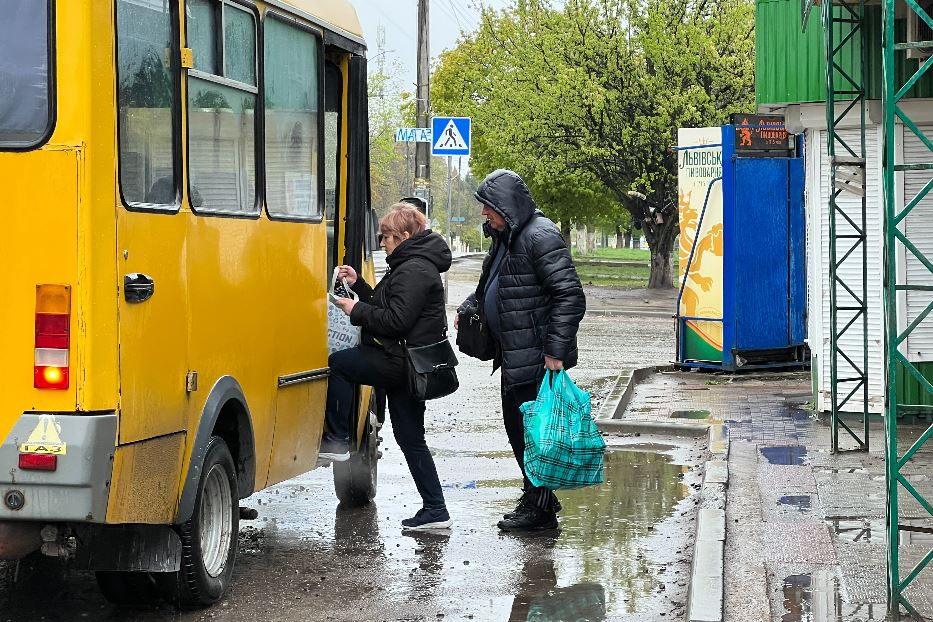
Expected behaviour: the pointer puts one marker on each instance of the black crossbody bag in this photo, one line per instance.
(431, 370)
(473, 339)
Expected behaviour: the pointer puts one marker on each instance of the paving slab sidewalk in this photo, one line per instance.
(805, 530)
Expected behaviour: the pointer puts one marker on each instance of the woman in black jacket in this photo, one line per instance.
(407, 304)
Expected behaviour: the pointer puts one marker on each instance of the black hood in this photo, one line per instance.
(429, 245)
(504, 191)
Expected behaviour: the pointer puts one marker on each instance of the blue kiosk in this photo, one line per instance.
(742, 299)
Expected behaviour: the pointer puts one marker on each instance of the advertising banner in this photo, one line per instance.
(699, 183)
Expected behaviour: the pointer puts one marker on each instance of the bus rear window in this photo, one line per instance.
(25, 85)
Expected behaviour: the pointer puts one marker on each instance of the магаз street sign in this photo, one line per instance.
(413, 135)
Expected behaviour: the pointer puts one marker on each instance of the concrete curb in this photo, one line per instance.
(706, 594)
(651, 427)
(635, 378)
(632, 312)
(705, 600)
(619, 392)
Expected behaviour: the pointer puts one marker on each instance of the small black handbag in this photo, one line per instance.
(431, 370)
(472, 337)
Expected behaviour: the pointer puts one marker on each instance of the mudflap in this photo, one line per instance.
(128, 548)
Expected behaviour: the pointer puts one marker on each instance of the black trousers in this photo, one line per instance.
(512, 399)
(372, 366)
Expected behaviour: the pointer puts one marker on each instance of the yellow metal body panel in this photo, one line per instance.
(154, 333)
(299, 423)
(257, 311)
(59, 228)
(39, 236)
(145, 489)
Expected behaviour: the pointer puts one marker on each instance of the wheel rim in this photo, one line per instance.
(216, 521)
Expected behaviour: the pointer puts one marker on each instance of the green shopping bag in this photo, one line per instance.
(563, 447)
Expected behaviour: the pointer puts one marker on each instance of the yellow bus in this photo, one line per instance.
(180, 178)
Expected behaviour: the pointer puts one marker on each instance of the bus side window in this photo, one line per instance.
(222, 92)
(146, 99)
(333, 101)
(293, 99)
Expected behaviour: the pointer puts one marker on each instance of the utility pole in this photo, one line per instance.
(450, 233)
(381, 43)
(422, 110)
(460, 198)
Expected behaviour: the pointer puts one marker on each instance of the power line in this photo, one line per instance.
(471, 20)
(389, 18)
(447, 12)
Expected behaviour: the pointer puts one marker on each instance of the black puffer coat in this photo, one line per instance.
(541, 301)
(408, 303)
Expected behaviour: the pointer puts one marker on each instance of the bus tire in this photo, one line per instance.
(209, 538)
(128, 589)
(8, 574)
(355, 480)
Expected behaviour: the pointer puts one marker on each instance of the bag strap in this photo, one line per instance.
(333, 282)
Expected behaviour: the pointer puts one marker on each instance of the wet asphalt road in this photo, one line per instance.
(622, 551)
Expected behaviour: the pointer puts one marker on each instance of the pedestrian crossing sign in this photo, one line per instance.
(450, 136)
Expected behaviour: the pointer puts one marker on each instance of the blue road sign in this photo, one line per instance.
(450, 136)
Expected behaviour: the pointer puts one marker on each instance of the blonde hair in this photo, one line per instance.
(403, 217)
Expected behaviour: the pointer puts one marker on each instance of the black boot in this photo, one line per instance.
(522, 505)
(525, 501)
(530, 518)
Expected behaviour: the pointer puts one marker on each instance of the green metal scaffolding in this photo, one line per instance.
(894, 89)
(844, 28)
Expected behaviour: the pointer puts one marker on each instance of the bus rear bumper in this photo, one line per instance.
(78, 489)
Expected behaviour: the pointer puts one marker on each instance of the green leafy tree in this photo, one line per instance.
(388, 110)
(584, 100)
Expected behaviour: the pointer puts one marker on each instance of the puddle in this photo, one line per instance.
(600, 526)
(797, 414)
(858, 530)
(787, 455)
(798, 598)
(604, 563)
(466, 453)
(800, 503)
(916, 532)
(470, 485)
(836, 471)
(652, 447)
(817, 597)
(690, 414)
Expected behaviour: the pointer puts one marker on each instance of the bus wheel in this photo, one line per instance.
(355, 480)
(128, 589)
(209, 538)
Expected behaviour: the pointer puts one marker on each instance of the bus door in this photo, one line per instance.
(302, 355)
(152, 304)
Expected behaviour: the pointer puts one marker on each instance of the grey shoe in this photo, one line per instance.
(427, 519)
(333, 450)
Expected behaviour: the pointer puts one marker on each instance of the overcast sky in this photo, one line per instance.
(400, 19)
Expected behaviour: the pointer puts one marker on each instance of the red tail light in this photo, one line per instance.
(38, 462)
(53, 336)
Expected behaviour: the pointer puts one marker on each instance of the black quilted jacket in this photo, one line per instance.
(408, 303)
(541, 301)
